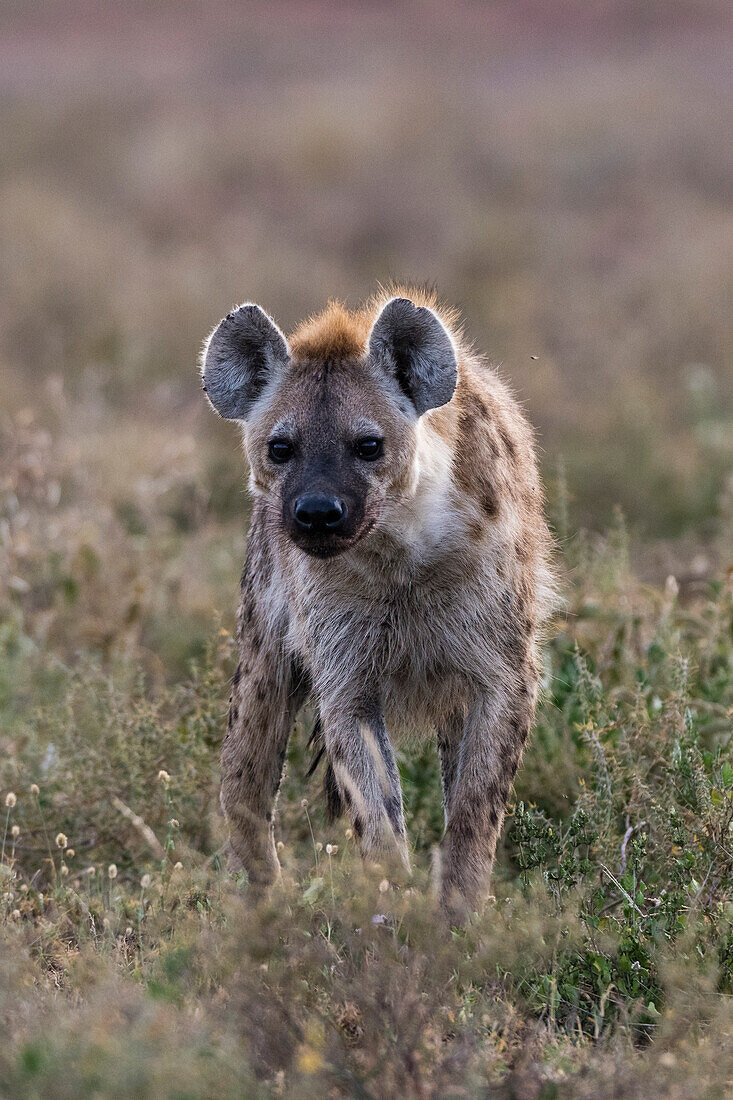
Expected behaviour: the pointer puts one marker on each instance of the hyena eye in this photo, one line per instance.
(369, 448)
(280, 450)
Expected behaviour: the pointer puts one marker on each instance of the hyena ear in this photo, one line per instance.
(412, 345)
(240, 356)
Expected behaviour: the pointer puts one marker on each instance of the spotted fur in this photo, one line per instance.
(424, 616)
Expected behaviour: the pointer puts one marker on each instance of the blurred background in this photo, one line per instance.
(561, 170)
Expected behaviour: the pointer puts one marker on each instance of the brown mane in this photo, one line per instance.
(339, 333)
(335, 333)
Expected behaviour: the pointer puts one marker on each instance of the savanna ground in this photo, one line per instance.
(564, 171)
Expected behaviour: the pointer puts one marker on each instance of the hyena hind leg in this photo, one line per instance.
(450, 735)
(335, 806)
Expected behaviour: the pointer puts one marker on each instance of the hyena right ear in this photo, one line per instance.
(411, 343)
(240, 357)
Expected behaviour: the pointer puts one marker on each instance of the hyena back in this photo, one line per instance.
(397, 573)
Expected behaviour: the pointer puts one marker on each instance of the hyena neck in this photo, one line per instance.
(422, 524)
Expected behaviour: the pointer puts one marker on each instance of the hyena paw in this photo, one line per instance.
(260, 874)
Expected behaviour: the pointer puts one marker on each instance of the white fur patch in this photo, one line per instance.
(425, 518)
(377, 759)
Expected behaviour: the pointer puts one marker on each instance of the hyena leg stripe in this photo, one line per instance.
(334, 801)
(317, 744)
(450, 734)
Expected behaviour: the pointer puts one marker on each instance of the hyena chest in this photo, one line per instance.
(418, 646)
(419, 660)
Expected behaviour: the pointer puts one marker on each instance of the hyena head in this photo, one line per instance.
(330, 419)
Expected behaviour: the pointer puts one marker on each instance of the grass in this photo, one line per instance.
(133, 963)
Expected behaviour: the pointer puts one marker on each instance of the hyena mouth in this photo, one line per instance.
(330, 546)
(323, 551)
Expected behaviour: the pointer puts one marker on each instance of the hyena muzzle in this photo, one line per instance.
(397, 574)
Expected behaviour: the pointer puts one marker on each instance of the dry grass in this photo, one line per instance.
(133, 964)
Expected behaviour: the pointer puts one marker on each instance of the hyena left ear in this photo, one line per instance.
(414, 347)
(243, 352)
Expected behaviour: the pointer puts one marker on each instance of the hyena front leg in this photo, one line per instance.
(364, 765)
(481, 771)
(266, 695)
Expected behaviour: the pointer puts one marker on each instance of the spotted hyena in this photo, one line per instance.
(397, 574)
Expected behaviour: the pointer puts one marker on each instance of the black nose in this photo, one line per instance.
(318, 513)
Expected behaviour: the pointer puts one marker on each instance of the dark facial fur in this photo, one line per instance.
(327, 417)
